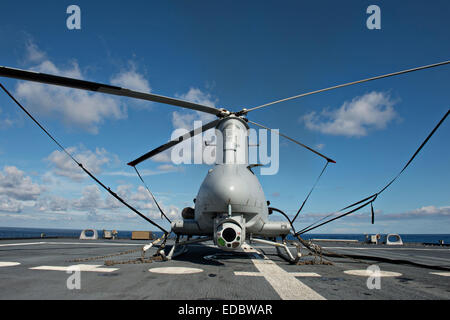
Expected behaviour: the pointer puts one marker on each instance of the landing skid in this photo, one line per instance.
(179, 248)
(286, 255)
(182, 246)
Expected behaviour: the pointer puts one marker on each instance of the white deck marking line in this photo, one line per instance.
(417, 257)
(20, 244)
(413, 256)
(175, 270)
(8, 264)
(359, 248)
(286, 285)
(433, 258)
(295, 274)
(82, 267)
(443, 274)
(258, 246)
(247, 274)
(366, 273)
(305, 274)
(98, 243)
(70, 243)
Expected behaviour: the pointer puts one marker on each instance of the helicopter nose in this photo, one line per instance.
(227, 191)
(227, 188)
(231, 184)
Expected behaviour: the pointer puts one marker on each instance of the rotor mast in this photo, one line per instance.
(232, 141)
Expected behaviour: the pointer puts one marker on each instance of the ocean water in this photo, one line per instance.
(14, 233)
(406, 238)
(28, 233)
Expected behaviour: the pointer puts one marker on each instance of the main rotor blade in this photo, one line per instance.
(345, 85)
(295, 141)
(103, 88)
(172, 143)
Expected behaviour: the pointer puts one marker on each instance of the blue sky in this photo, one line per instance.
(230, 54)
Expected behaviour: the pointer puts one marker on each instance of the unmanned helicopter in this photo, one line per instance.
(230, 207)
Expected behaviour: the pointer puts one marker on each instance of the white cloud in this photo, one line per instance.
(18, 194)
(141, 194)
(5, 121)
(423, 212)
(98, 208)
(92, 161)
(169, 168)
(372, 111)
(74, 107)
(163, 156)
(166, 168)
(319, 146)
(90, 199)
(142, 201)
(14, 184)
(33, 53)
(52, 204)
(8, 204)
(131, 79)
(186, 120)
(172, 212)
(94, 201)
(198, 96)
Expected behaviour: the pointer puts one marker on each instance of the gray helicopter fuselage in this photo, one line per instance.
(231, 192)
(234, 185)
